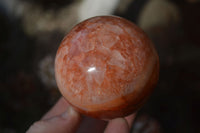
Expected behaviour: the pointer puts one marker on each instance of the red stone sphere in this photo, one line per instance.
(106, 67)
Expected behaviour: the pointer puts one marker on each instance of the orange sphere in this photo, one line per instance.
(106, 67)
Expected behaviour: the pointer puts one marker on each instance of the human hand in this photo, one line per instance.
(62, 118)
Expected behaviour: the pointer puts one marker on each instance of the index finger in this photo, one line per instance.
(60, 107)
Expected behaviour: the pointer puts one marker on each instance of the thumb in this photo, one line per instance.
(64, 123)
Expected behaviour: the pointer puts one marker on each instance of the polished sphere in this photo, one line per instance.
(106, 67)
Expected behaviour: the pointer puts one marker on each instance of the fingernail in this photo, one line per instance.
(119, 120)
(70, 112)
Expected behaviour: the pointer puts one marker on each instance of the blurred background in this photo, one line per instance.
(31, 31)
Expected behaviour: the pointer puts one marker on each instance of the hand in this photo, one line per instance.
(62, 118)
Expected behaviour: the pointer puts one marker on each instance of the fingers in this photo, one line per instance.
(130, 119)
(57, 109)
(91, 125)
(67, 122)
(59, 120)
(118, 125)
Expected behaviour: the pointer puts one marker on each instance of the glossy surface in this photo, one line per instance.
(106, 67)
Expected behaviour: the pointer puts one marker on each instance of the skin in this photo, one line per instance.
(62, 118)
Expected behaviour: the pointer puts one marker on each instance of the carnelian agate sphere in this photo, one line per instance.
(106, 67)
